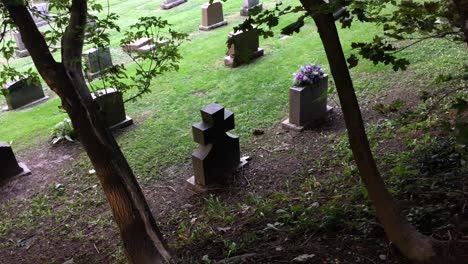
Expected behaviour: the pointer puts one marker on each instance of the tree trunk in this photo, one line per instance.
(409, 241)
(462, 6)
(142, 240)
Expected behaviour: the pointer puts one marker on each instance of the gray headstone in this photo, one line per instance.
(218, 154)
(20, 50)
(97, 60)
(23, 93)
(142, 45)
(40, 13)
(307, 106)
(168, 4)
(248, 5)
(9, 166)
(212, 16)
(244, 48)
(112, 108)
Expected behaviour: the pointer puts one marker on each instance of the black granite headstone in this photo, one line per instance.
(9, 166)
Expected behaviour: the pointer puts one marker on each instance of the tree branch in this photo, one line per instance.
(441, 35)
(73, 38)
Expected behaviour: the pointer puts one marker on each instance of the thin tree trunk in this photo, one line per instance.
(409, 241)
(142, 240)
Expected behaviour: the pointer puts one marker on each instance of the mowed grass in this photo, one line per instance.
(257, 93)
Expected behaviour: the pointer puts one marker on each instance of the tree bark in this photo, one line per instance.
(142, 239)
(409, 241)
(462, 6)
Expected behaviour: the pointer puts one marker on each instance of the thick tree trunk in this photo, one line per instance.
(462, 6)
(409, 241)
(142, 240)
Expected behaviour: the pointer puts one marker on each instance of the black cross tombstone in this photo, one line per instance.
(218, 154)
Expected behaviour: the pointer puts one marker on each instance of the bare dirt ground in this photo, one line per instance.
(85, 232)
(47, 162)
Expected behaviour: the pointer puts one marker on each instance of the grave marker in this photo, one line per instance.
(20, 50)
(248, 5)
(244, 48)
(41, 13)
(212, 16)
(168, 4)
(140, 45)
(9, 166)
(97, 60)
(112, 108)
(218, 155)
(23, 93)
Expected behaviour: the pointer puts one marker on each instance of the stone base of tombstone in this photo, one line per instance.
(245, 11)
(141, 45)
(21, 53)
(172, 4)
(128, 121)
(192, 185)
(112, 107)
(216, 25)
(287, 125)
(43, 99)
(231, 62)
(23, 94)
(307, 106)
(26, 171)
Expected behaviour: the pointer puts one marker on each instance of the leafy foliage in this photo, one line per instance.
(410, 21)
(63, 131)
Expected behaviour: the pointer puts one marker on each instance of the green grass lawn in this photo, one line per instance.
(257, 93)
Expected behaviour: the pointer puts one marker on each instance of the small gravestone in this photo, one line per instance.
(168, 4)
(307, 106)
(20, 50)
(248, 5)
(140, 45)
(218, 155)
(23, 93)
(212, 16)
(112, 108)
(90, 26)
(9, 166)
(97, 60)
(40, 14)
(243, 47)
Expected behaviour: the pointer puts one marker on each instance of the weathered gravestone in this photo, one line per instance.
(97, 60)
(112, 108)
(248, 5)
(20, 50)
(141, 45)
(9, 166)
(243, 47)
(23, 93)
(168, 4)
(40, 13)
(212, 16)
(218, 155)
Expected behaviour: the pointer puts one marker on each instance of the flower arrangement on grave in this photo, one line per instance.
(307, 98)
(308, 75)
